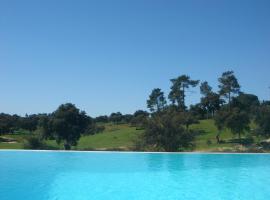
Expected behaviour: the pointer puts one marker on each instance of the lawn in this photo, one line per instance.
(122, 137)
(115, 137)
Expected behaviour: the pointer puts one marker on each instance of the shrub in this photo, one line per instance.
(34, 142)
(209, 142)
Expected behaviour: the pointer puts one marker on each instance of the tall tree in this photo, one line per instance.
(178, 90)
(205, 88)
(68, 123)
(156, 101)
(211, 101)
(228, 85)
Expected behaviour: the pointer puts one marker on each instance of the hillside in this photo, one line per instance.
(122, 137)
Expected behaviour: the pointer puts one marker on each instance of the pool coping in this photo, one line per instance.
(135, 152)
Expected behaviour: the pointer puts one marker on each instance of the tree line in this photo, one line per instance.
(65, 125)
(166, 125)
(167, 128)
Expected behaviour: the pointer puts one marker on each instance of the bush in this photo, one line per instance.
(100, 129)
(164, 131)
(209, 142)
(34, 142)
(94, 129)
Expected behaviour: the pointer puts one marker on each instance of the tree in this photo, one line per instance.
(187, 119)
(178, 90)
(246, 102)
(205, 88)
(164, 131)
(198, 110)
(156, 101)
(116, 117)
(220, 122)
(139, 119)
(5, 124)
(263, 120)
(238, 122)
(30, 122)
(93, 128)
(67, 124)
(210, 101)
(8, 123)
(45, 126)
(141, 112)
(228, 85)
(103, 119)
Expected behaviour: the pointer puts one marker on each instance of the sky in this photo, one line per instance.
(107, 56)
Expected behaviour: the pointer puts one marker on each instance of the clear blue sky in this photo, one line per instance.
(107, 56)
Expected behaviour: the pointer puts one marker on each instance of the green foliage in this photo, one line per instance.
(178, 89)
(156, 101)
(164, 131)
(186, 119)
(228, 85)
(263, 120)
(33, 142)
(198, 110)
(102, 119)
(8, 123)
(139, 119)
(246, 102)
(205, 88)
(221, 118)
(210, 101)
(238, 121)
(94, 128)
(116, 117)
(170, 127)
(67, 124)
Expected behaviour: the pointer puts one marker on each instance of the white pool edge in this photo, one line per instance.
(133, 152)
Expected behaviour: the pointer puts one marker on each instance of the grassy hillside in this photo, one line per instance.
(114, 137)
(122, 137)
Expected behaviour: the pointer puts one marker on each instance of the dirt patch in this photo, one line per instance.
(7, 140)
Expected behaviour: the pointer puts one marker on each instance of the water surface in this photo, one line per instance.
(30, 175)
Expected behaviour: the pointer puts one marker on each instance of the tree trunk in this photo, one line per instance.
(218, 139)
(183, 99)
(229, 101)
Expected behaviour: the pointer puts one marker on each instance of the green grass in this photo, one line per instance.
(17, 145)
(209, 132)
(122, 137)
(114, 137)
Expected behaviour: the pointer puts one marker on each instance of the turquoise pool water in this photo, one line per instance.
(128, 176)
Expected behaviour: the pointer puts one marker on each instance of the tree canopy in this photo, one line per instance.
(178, 90)
(67, 124)
(228, 85)
(156, 101)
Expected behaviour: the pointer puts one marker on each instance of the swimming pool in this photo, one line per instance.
(30, 175)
